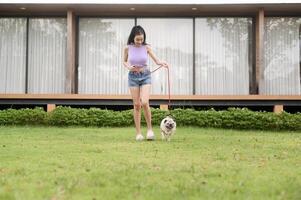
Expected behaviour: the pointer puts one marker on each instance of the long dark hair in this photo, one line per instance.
(136, 30)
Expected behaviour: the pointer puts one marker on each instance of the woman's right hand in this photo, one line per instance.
(132, 68)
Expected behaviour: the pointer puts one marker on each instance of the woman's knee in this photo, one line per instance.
(137, 106)
(145, 103)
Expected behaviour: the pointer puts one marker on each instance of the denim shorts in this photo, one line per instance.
(137, 79)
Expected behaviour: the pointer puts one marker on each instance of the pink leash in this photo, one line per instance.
(168, 106)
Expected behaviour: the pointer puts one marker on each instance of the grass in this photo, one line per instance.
(107, 163)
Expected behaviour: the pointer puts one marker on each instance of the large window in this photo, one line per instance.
(47, 39)
(12, 55)
(222, 55)
(280, 74)
(101, 44)
(172, 41)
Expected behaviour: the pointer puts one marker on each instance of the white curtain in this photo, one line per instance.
(280, 74)
(171, 40)
(222, 55)
(47, 55)
(101, 45)
(12, 55)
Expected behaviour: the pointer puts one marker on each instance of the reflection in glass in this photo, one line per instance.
(101, 44)
(12, 55)
(172, 41)
(280, 74)
(222, 55)
(47, 39)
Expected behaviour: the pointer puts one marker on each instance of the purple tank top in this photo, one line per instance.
(137, 55)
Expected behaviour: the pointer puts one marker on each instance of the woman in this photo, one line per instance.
(139, 78)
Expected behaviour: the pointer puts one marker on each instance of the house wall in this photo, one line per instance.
(211, 53)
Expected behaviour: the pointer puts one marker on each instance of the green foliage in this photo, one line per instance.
(66, 116)
(233, 118)
(36, 116)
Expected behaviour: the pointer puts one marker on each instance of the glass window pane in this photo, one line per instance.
(12, 55)
(222, 55)
(47, 55)
(171, 40)
(101, 45)
(280, 74)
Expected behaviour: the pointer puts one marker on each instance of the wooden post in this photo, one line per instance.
(71, 52)
(278, 109)
(50, 107)
(259, 47)
(164, 107)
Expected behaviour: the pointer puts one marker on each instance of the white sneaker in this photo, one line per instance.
(150, 135)
(139, 137)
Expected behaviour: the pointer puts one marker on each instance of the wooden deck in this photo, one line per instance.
(51, 100)
(152, 97)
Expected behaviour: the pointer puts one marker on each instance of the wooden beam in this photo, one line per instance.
(259, 47)
(71, 52)
(152, 97)
(278, 109)
(50, 107)
(163, 107)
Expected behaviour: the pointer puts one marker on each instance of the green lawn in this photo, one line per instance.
(107, 163)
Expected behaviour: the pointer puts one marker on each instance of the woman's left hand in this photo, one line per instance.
(164, 64)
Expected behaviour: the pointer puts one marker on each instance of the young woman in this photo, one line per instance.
(139, 77)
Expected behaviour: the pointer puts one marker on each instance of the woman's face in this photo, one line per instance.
(139, 39)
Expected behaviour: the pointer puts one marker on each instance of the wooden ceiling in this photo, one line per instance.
(120, 10)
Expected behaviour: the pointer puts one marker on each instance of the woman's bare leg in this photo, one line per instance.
(145, 91)
(135, 92)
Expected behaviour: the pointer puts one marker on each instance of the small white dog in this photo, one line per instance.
(168, 128)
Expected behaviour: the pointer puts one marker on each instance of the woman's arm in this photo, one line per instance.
(154, 57)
